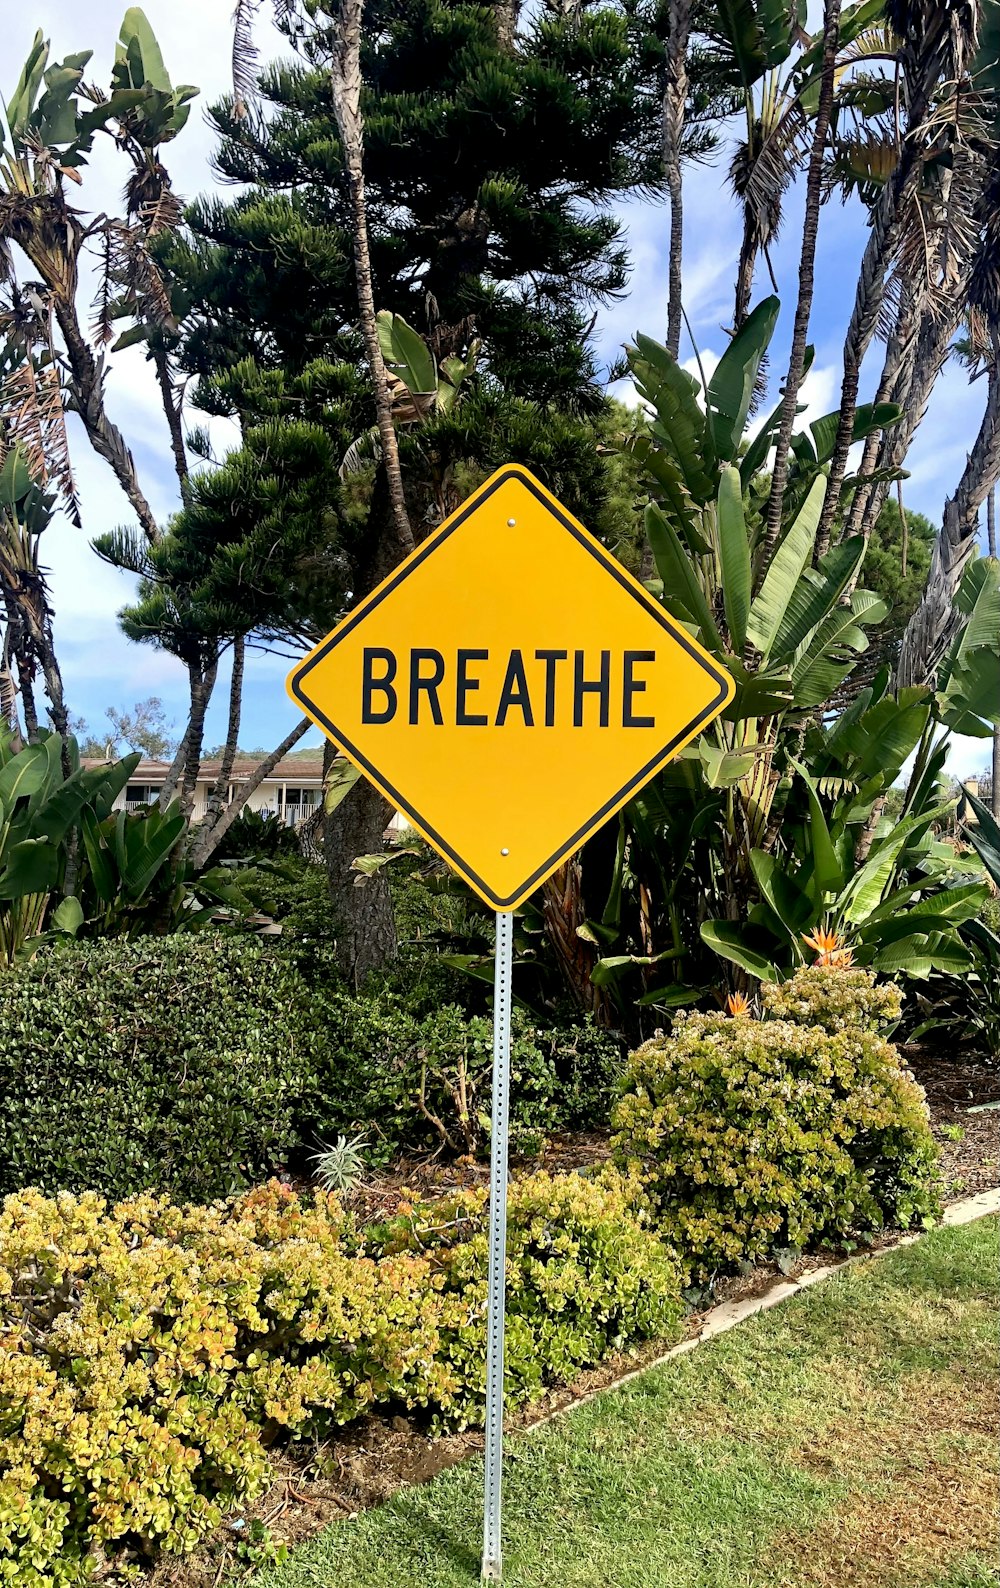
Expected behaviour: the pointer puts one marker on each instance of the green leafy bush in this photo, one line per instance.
(754, 1135)
(176, 1063)
(257, 835)
(150, 1353)
(835, 998)
(426, 1080)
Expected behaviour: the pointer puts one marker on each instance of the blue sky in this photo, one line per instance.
(100, 667)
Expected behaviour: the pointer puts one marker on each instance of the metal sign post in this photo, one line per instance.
(498, 1244)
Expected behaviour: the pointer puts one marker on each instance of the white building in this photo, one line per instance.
(292, 791)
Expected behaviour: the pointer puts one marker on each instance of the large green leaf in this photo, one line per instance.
(149, 840)
(829, 657)
(30, 772)
(407, 354)
(675, 497)
(984, 836)
(786, 567)
(137, 35)
(725, 767)
(918, 954)
(680, 424)
(827, 869)
(865, 889)
(22, 101)
(790, 903)
(679, 578)
(727, 938)
(868, 417)
(978, 597)
(817, 593)
(970, 702)
(880, 739)
(730, 389)
(757, 694)
(759, 35)
(734, 552)
(67, 917)
(31, 866)
(103, 875)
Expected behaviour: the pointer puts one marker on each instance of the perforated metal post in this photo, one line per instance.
(498, 1245)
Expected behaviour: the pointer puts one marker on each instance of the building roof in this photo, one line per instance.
(291, 769)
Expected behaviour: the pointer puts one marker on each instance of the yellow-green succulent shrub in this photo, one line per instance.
(585, 1275)
(752, 1135)
(151, 1353)
(835, 997)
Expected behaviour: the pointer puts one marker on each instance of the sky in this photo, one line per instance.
(100, 667)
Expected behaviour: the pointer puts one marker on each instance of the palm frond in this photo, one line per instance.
(245, 55)
(34, 419)
(102, 315)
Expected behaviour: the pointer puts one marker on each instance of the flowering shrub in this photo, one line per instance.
(151, 1353)
(835, 998)
(756, 1134)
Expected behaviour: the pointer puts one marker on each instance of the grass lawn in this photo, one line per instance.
(845, 1438)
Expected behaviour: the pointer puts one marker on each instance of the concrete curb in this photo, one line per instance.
(729, 1313)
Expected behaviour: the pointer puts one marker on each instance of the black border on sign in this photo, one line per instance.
(409, 566)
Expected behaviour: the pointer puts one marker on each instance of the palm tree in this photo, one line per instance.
(674, 104)
(938, 45)
(807, 261)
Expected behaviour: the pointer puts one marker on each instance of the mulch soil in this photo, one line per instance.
(365, 1464)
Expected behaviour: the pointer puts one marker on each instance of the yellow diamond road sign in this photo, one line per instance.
(509, 687)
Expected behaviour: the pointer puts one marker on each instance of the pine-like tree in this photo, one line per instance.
(492, 168)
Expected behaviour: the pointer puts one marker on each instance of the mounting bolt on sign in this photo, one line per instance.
(508, 687)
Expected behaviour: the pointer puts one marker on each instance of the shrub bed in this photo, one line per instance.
(151, 1353)
(174, 1063)
(198, 1065)
(419, 1081)
(754, 1135)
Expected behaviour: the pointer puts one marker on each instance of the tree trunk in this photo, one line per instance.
(217, 799)
(745, 273)
(256, 778)
(202, 684)
(674, 105)
(174, 770)
(924, 62)
(345, 79)
(807, 271)
(563, 913)
(87, 387)
(172, 412)
(362, 906)
(929, 630)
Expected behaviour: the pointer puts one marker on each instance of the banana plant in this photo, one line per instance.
(790, 633)
(968, 1005)
(39, 808)
(48, 127)
(883, 886)
(135, 878)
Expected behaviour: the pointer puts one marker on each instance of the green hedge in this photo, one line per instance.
(150, 1354)
(753, 1135)
(175, 1063)
(199, 1065)
(382, 1060)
